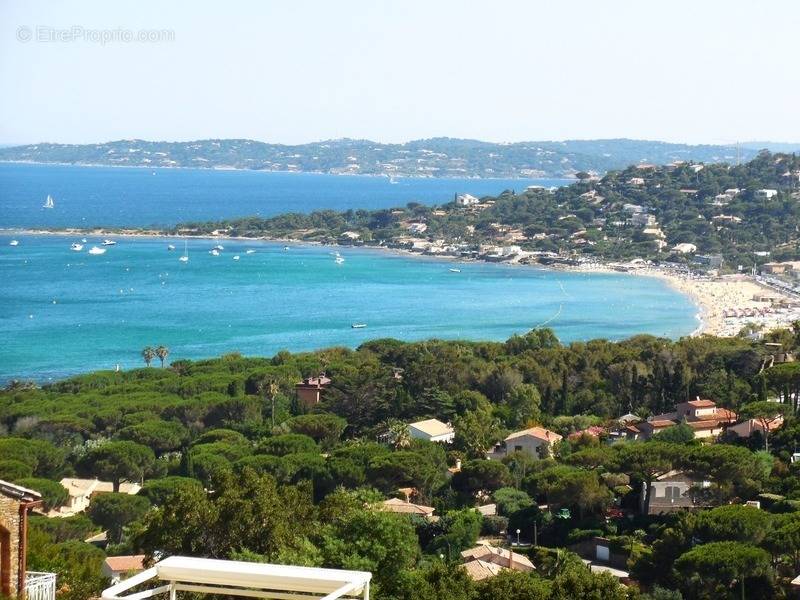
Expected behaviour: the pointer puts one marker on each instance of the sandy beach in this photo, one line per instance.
(727, 303)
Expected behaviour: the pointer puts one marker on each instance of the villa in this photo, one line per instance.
(484, 561)
(396, 505)
(672, 491)
(309, 391)
(703, 416)
(115, 567)
(81, 492)
(536, 441)
(432, 430)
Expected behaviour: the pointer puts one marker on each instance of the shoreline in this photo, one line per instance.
(725, 303)
(244, 170)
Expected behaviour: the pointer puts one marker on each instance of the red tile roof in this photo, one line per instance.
(701, 403)
(121, 564)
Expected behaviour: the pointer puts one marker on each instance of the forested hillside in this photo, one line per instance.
(234, 466)
(643, 211)
(436, 157)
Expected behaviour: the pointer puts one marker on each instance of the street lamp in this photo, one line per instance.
(517, 537)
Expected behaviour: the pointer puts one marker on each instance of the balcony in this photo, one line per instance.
(40, 586)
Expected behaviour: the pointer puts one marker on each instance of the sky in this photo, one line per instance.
(303, 70)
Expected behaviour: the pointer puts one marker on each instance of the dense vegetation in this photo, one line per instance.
(589, 218)
(438, 157)
(296, 486)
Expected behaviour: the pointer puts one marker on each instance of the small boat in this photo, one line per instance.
(95, 250)
(13, 243)
(214, 252)
(250, 252)
(219, 247)
(83, 240)
(358, 325)
(185, 257)
(109, 243)
(285, 248)
(236, 257)
(76, 247)
(170, 247)
(49, 203)
(338, 260)
(455, 270)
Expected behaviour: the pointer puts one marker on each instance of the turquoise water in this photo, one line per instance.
(63, 312)
(128, 197)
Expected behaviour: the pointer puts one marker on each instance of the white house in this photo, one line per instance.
(642, 219)
(672, 491)
(431, 430)
(466, 200)
(684, 248)
(766, 193)
(536, 441)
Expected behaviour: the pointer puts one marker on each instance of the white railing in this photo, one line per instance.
(40, 586)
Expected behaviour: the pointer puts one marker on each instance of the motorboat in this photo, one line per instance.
(95, 250)
(109, 243)
(76, 247)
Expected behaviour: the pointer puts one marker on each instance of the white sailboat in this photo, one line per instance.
(214, 252)
(49, 203)
(185, 257)
(76, 247)
(170, 247)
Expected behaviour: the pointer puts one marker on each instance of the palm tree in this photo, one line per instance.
(162, 352)
(269, 387)
(397, 433)
(148, 354)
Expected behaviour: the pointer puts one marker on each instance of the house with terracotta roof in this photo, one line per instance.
(484, 561)
(747, 428)
(396, 505)
(116, 567)
(706, 419)
(309, 391)
(432, 430)
(536, 441)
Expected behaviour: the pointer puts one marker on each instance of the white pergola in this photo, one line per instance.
(236, 578)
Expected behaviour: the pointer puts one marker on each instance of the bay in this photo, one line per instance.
(135, 197)
(64, 312)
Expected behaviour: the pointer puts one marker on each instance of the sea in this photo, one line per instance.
(64, 312)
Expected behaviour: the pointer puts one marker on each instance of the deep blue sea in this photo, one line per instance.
(122, 196)
(64, 312)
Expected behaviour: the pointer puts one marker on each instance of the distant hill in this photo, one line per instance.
(436, 157)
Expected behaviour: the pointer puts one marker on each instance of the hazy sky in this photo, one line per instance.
(298, 71)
